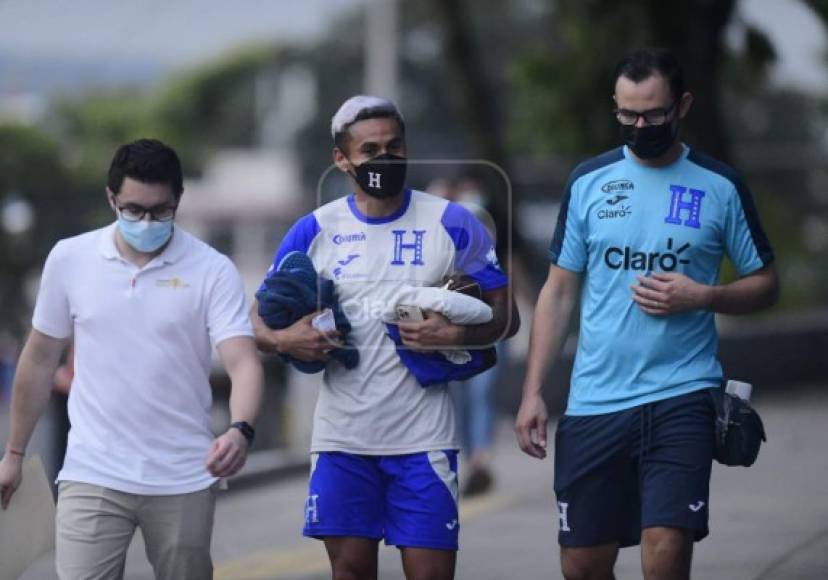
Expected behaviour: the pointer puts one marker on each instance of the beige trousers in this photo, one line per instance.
(95, 526)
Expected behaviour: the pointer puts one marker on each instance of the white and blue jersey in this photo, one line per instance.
(379, 408)
(620, 219)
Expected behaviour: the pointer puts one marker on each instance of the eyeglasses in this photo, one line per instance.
(651, 117)
(134, 213)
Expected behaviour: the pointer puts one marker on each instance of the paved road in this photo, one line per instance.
(769, 522)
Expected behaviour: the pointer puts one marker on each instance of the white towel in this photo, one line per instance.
(457, 307)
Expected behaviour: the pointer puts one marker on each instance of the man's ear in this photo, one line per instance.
(340, 160)
(110, 198)
(685, 104)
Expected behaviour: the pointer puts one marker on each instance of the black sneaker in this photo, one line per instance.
(480, 481)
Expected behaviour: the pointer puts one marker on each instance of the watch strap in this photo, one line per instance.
(246, 429)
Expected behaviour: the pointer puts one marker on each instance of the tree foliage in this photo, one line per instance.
(32, 174)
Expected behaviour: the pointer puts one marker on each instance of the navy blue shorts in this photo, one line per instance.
(618, 473)
(410, 500)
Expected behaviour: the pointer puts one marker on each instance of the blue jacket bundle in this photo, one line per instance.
(294, 290)
(434, 368)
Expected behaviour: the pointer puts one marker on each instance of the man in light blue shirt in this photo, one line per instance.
(643, 229)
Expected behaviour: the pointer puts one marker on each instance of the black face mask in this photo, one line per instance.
(383, 176)
(650, 141)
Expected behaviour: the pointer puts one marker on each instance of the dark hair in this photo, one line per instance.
(341, 138)
(147, 161)
(646, 62)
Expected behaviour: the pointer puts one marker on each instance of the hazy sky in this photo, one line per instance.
(799, 38)
(175, 31)
(180, 32)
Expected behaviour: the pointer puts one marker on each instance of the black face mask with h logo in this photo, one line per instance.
(650, 141)
(383, 176)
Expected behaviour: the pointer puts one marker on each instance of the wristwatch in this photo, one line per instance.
(246, 429)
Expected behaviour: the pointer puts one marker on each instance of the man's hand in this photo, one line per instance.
(436, 332)
(302, 341)
(663, 294)
(530, 425)
(227, 454)
(10, 477)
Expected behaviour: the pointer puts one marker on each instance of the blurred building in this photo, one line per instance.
(243, 205)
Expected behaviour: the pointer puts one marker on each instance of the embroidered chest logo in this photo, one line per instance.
(616, 209)
(618, 186)
(342, 263)
(415, 247)
(173, 283)
(339, 239)
(685, 202)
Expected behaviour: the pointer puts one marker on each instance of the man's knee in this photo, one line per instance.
(666, 553)
(594, 563)
(428, 564)
(352, 569)
(355, 563)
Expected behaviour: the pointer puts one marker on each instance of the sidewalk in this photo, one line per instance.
(768, 522)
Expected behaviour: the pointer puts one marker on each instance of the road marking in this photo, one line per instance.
(271, 564)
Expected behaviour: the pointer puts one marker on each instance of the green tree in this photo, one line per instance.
(32, 175)
(195, 111)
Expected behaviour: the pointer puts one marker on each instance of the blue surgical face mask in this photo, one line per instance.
(145, 235)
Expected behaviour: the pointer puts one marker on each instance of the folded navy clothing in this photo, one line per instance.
(433, 368)
(292, 292)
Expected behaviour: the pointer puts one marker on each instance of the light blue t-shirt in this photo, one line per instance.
(620, 219)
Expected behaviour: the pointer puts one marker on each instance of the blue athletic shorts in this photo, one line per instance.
(618, 473)
(410, 500)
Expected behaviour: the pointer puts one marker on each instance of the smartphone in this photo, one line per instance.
(409, 313)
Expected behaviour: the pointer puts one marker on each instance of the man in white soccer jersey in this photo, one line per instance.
(144, 302)
(384, 450)
(647, 225)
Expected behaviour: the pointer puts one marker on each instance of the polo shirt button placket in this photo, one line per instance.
(133, 281)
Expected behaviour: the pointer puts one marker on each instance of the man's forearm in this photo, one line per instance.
(266, 338)
(746, 295)
(549, 325)
(247, 386)
(502, 326)
(32, 388)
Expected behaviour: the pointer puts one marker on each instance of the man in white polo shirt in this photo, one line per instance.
(144, 302)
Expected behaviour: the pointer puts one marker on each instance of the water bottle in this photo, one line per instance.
(739, 389)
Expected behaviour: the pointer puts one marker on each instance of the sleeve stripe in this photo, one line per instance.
(560, 228)
(760, 239)
(608, 158)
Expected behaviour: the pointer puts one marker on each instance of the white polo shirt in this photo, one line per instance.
(140, 399)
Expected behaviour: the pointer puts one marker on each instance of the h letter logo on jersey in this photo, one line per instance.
(374, 180)
(400, 246)
(562, 516)
(311, 510)
(679, 203)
